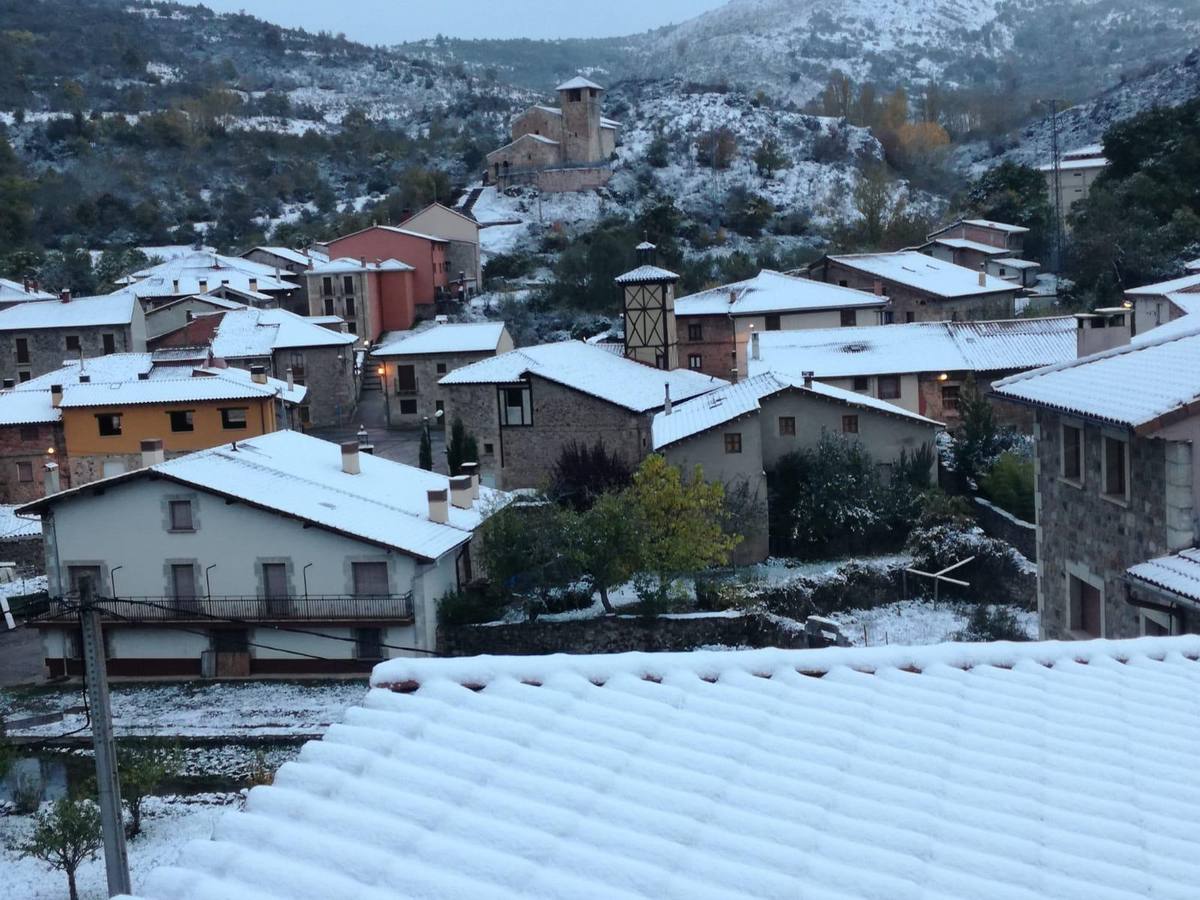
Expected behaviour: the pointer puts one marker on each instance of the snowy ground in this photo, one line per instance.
(168, 823)
(912, 622)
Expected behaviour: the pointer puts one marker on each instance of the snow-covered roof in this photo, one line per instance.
(918, 347)
(1192, 266)
(1013, 263)
(924, 273)
(21, 407)
(1066, 165)
(296, 256)
(208, 299)
(112, 367)
(346, 264)
(728, 403)
(1084, 151)
(259, 332)
(576, 83)
(14, 292)
(16, 528)
(1135, 385)
(201, 271)
(771, 292)
(1010, 770)
(996, 226)
(80, 312)
(277, 386)
(1177, 574)
(964, 244)
(396, 230)
(301, 476)
(550, 109)
(1187, 303)
(590, 370)
(187, 389)
(466, 337)
(1161, 288)
(646, 273)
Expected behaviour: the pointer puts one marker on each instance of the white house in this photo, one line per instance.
(983, 771)
(203, 558)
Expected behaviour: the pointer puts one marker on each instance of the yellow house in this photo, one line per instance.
(104, 424)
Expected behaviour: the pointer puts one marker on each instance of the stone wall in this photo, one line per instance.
(717, 347)
(619, 634)
(28, 444)
(332, 388)
(48, 348)
(567, 180)
(926, 307)
(428, 392)
(27, 553)
(998, 523)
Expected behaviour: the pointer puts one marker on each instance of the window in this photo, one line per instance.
(329, 306)
(406, 379)
(296, 361)
(370, 579)
(352, 328)
(73, 343)
(110, 343)
(695, 331)
(440, 406)
(76, 574)
(1116, 468)
(574, 96)
(29, 432)
(787, 426)
(773, 322)
(182, 420)
(1072, 453)
(910, 316)
(489, 448)
(347, 284)
(233, 419)
(889, 387)
(862, 383)
(441, 368)
(950, 396)
(181, 515)
(368, 643)
(849, 424)
(1155, 624)
(183, 585)
(843, 283)
(24, 376)
(1086, 608)
(23, 350)
(408, 406)
(516, 406)
(849, 320)
(695, 361)
(733, 442)
(350, 313)
(305, 414)
(109, 424)
(326, 285)
(888, 317)
(25, 472)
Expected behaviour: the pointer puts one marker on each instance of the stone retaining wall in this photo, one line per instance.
(1003, 525)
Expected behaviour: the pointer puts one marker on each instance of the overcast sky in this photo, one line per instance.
(393, 21)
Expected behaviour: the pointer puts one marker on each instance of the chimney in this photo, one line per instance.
(732, 295)
(460, 491)
(350, 463)
(733, 375)
(65, 295)
(878, 288)
(50, 482)
(808, 378)
(439, 507)
(152, 452)
(983, 274)
(254, 284)
(667, 399)
(174, 285)
(190, 315)
(142, 376)
(258, 374)
(56, 395)
(471, 469)
(363, 261)
(291, 380)
(9, 383)
(754, 345)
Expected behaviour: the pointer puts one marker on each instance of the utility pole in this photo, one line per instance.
(1056, 161)
(116, 859)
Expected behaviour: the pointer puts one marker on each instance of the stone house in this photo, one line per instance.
(921, 288)
(1118, 481)
(12, 293)
(35, 338)
(979, 244)
(1077, 171)
(525, 406)
(291, 265)
(567, 148)
(370, 297)
(312, 355)
(737, 435)
(202, 271)
(31, 437)
(174, 315)
(425, 253)
(922, 366)
(461, 231)
(714, 326)
(276, 555)
(1167, 301)
(411, 363)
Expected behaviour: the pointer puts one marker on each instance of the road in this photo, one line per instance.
(394, 444)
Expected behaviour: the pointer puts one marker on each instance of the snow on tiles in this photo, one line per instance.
(877, 772)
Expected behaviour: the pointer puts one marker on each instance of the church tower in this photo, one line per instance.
(579, 100)
(649, 300)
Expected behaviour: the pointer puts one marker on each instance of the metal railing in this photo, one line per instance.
(315, 607)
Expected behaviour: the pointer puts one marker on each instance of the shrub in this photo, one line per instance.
(995, 574)
(989, 622)
(64, 837)
(582, 473)
(1010, 485)
(474, 604)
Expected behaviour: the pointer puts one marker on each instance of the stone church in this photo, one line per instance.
(563, 149)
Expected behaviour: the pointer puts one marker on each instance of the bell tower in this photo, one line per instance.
(649, 307)
(579, 99)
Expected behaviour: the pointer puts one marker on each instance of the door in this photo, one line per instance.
(183, 587)
(275, 588)
(76, 573)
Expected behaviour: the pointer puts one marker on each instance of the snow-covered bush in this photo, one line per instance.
(992, 622)
(997, 574)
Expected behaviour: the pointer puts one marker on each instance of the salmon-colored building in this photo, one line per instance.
(372, 297)
(424, 252)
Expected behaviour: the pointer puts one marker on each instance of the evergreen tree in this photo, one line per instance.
(1015, 194)
(977, 440)
(425, 452)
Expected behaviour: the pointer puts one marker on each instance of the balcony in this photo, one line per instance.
(349, 608)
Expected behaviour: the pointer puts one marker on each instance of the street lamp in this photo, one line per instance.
(381, 371)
